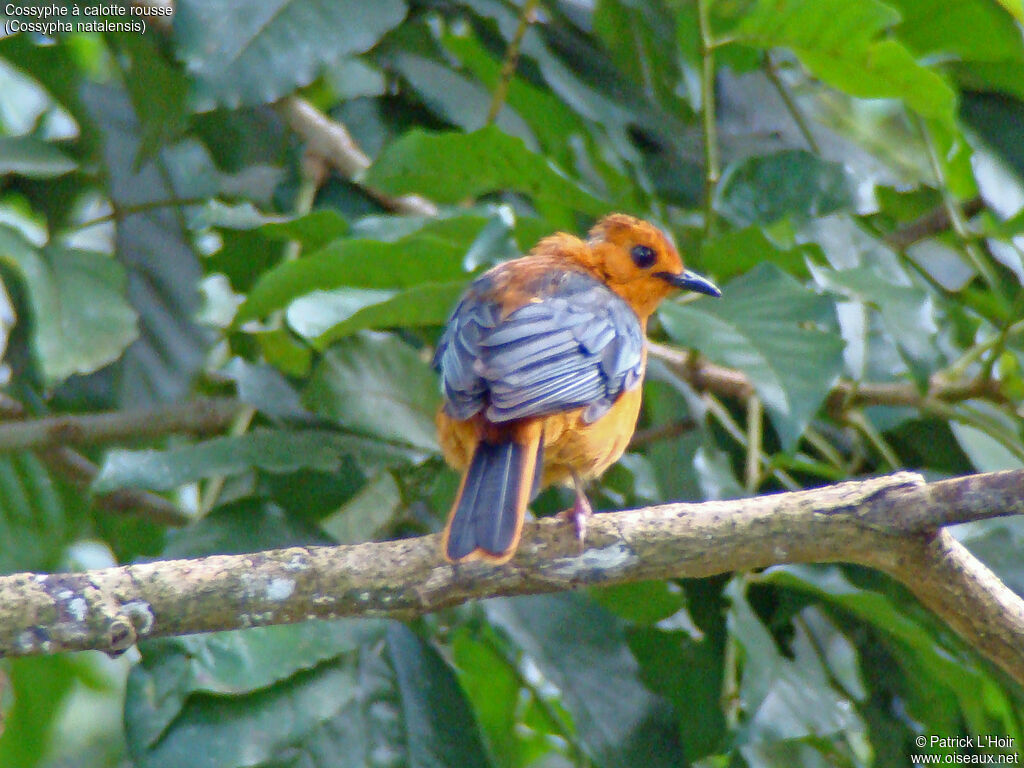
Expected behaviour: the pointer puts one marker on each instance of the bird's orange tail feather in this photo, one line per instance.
(486, 519)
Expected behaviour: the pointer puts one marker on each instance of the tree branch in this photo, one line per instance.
(199, 416)
(887, 522)
(728, 382)
(331, 141)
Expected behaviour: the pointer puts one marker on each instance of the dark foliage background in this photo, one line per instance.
(162, 234)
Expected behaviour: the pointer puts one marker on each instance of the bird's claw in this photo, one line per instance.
(577, 515)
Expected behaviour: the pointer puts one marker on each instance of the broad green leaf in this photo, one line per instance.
(1014, 7)
(550, 119)
(453, 167)
(272, 450)
(763, 189)
(34, 524)
(80, 318)
(376, 384)
(841, 43)
(579, 647)
(326, 317)
(250, 524)
(985, 452)
(979, 30)
(906, 311)
(777, 332)
(784, 698)
(265, 388)
(158, 90)
(687, 670)
(29, 156)
(929, 653)
(641, 40)
(38, 687)
(735, 252)
(155, 248)
(260, 51)
(313, 230)
(435, 253)
(228, 664)
(341, 697)
(460, 100)
(314, 314)
(492, 685)
(646, 602)
(366, 515)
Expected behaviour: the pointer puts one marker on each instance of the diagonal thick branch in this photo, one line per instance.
(892, 523)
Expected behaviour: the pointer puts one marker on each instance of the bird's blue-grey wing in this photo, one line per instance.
(574, 344)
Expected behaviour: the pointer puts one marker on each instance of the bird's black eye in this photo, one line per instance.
(643, 256)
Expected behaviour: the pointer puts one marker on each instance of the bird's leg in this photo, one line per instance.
(580, 511)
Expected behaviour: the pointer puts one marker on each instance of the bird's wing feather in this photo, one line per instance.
(574, 343)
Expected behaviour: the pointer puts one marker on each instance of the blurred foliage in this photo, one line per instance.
(162, 236)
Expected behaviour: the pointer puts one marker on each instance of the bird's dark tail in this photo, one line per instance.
(487, 517)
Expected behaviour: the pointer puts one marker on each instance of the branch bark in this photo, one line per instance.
(331, 141)
(890, 523)
(728, 382)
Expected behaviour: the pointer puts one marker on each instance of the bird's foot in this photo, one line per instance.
(577, 515)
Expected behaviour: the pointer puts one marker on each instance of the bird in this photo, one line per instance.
(541, 365)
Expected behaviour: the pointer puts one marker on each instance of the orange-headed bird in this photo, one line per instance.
(541, 365)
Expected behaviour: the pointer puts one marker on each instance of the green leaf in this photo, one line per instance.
(155, 248)
(646, 602)
(29, 156)
(763, 189)
(906, 311)
(80, 318)
(258, 52)
(227, 664)
(774, 330)
(34, 524)
(330, 316)
(579, 647)
(376, 384)
(453, 167)
(784, 698)
(979, 30)
(738, 251)
(272, 450)
(314, 230)
(460, 100)
(434, 253)
(39, 687)
(985, 452)
(830, 583)
(838, 42)
(367, 514)
(339, 694)
(250, 524)
(688, 671)
(158, 91)
(492, 686)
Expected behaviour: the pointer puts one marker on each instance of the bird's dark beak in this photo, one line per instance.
(691, 281)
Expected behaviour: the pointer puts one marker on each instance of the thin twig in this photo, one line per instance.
(707, 95)
(956, 215)
(935, 222)
(508, 66)
(791, 105)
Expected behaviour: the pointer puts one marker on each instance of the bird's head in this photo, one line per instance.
(640, 263)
